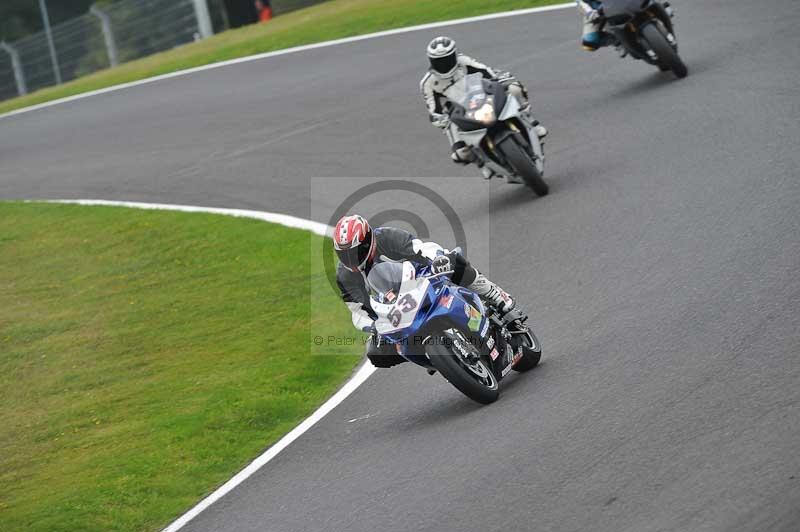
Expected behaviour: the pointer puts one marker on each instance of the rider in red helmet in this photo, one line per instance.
(359, 247)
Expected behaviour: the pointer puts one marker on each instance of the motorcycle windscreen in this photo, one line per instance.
(473, 89)
(474, 107)
(477, 103)
(384, 282)
(396, 295)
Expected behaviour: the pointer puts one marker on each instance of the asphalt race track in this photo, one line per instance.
(662, 273)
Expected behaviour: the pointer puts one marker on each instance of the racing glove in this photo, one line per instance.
(441, 264)
(374, 341)
(440, 120)
(504, 77)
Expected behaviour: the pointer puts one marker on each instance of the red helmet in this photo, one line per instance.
(353, 242)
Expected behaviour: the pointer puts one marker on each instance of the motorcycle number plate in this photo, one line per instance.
(510, 366)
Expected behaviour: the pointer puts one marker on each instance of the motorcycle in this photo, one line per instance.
(645, 30)
(444, 327)
(485, 117)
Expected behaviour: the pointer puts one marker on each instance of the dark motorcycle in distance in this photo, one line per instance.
(645, 29)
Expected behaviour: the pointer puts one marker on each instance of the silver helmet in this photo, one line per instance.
(443, 55)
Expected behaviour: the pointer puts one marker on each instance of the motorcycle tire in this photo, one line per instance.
(531, 356)
(667, 55)
(451, 367)
(521, 162)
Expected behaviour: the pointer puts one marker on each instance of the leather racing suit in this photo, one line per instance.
(396, 245)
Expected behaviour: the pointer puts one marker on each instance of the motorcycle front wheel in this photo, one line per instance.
(475, 380)
(532, 354)
(667, 56)
(522, 164)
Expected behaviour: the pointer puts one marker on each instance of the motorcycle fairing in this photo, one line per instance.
(473, 94)
(437, 301)
(511, 109)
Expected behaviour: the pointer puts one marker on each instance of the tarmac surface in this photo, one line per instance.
(662, 273)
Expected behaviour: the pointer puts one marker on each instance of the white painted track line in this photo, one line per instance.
(271, 217)
(286, 51)
(361, 375)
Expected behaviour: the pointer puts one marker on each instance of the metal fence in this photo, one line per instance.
(109, 35)
(104, 37)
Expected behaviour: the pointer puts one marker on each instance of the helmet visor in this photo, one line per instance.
(444, 65)
(355, 257)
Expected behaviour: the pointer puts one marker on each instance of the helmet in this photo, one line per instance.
(354, 242)
(443, 56)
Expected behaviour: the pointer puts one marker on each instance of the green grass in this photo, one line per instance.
(330, 20)
(147, 356)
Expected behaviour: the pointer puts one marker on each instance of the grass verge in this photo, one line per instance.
(146, 356)
(331, 20)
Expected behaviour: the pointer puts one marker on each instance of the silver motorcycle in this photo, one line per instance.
(503, 138)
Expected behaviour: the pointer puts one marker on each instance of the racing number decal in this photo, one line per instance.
(395, 316)
(407, 303)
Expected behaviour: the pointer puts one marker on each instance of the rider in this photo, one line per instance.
(447, 67)
(359, 247)
(593, 35)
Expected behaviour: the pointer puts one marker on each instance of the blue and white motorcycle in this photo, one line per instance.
(441, 326)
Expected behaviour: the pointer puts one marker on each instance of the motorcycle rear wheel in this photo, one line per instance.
(667, 56)
(475, 381)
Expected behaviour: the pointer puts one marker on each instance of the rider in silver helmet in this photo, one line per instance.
(447, 67)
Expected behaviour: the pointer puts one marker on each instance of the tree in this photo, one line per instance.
(19, 18)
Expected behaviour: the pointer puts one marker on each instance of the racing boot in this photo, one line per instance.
(487, 172)
(462, 154)
(492, 294)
